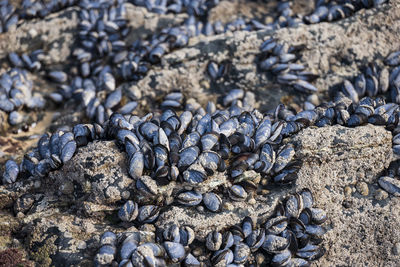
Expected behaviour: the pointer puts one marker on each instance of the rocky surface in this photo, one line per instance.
(71, 207)
(360, 227)
(338, 163)
(56, 33)
(333, 50)
(60, 218)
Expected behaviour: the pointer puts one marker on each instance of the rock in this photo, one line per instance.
(61, 238)
(349, 36)
(185, 69)
(8, 225)
(347, 191)
(381, 194)
(143, 22)
(364, 229)
(332, 157)
(14, 257)
(228, 11)
(58, 29)
(24, 203)
(10, 193)
(362, 188)
(98, 173)
(60, 218)
(204, 221)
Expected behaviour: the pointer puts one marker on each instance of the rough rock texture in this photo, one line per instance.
(265, 11)
(337, 50)
(64, 227)
(97, 174)
(144, 23)
(58, 220)
(333, 50)
(333, 158)
(56, 33)
(361, 228)
(203, 221)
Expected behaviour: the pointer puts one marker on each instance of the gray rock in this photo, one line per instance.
(57, 31)
(69, 214)
(360, 228)
(97, 174)
(143, 22)
(333, 157)
(185, 68)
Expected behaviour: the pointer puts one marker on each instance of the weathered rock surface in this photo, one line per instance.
(96, 174)
(333, 158)
(56, 33)
(333, 50)
(227, 11)
(361, 228)
(59, 219)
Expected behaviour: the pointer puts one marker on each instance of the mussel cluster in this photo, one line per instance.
(16, 93)
(198, 8)
(279, 59)
(374, 81)
(11, 13)
(327, 10)
(174, 151)
(194, 144)
(290, 237)
(103, 59)
(368, 92)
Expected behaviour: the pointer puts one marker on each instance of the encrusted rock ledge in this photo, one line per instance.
(340, 165)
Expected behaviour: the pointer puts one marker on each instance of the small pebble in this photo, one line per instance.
(347, 204)
(347, 191)
(81, 244)
(252, 201)
(147, 227)
(264, 182)
(381, 194)
(68, 234)
(362, 188)
(260, 258)
(33, 33)
(125, 195)
(228, 206)
(268, 19)
(200, 208)
(313, 99)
